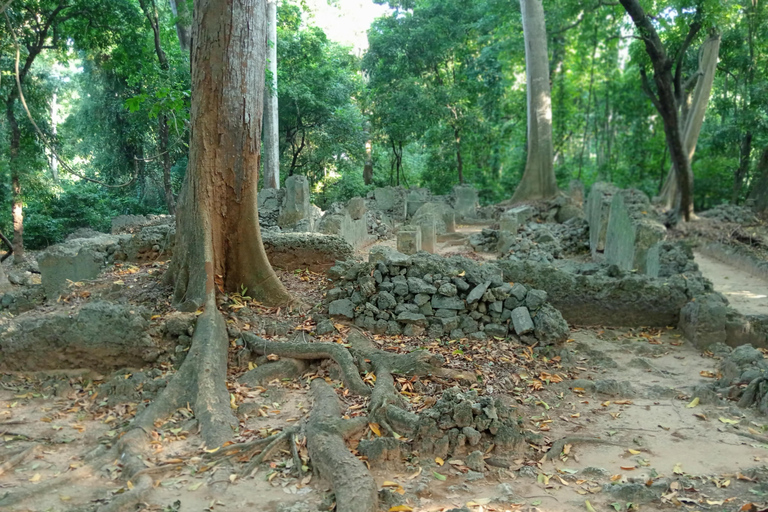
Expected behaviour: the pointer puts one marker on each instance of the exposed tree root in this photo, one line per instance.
(285, 368)
(558, 446)
(352, 483)
(313, 351)
(18, 458)
(282, 439)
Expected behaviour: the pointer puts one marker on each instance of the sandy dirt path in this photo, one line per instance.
(747, 293)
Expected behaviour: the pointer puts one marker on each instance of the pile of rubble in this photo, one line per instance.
(458, 424)
(731, 213)
(393, 293)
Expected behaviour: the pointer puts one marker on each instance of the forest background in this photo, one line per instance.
(437, 98)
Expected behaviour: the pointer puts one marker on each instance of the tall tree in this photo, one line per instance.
(539, 177)
(180, 10)
(665, 98)
(692, 111)
(149, 8)
(271, 137)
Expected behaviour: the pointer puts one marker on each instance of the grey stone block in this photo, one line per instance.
(342, 307)
(409, 242)
(521, 320)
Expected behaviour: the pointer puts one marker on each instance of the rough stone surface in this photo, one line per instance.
(356, 208)
(521, 320)
(394, 293)
(409, 241)
(598, 212)
(295, 206)
(465, 201)
(354, 232)
(313, 251)
(433, 211)
(632, 230)
(100, 335)
(76, 260)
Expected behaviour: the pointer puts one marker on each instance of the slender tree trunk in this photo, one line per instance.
(745, 151)
(17, 210)
(183, 17)
(271, 140)
(589, 106)
(217, 226)
(759, 193)
(695, 115)
(150, 12)
(539, 177)
(170, 202)
(54, 162)
(368, 168)
(459, 161)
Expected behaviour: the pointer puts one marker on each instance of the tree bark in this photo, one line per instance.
(217, 225)
(459, 160)
(180, 10)
(271, 125)
(539, 177)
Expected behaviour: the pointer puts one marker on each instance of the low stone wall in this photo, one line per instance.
(314, 251)
(592, 294)
(393, 293)
(101, 336)
(82, 259)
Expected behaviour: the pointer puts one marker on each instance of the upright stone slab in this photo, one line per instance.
(512, 219)
(356, 208)
(631, 231)
(417, 197)
(428, 236)
(296, 206)
(409, 240)
(449, 217)
(354, 232)
(576, 192)
(269, 200)
(598, 212)
(432, 212)
(465, 201)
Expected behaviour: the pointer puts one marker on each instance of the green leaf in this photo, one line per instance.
(440, 477)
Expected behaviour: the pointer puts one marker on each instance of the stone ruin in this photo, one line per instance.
(412, 295)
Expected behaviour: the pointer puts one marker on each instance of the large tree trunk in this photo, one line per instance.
(539, 177)
(271, 139)
(183, 23)
(217, 225)
(670, 195)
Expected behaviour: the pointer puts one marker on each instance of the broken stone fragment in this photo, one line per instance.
(521, 320)
(342, 307)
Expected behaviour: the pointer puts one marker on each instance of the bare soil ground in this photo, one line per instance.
(613, 408)
(746, 292)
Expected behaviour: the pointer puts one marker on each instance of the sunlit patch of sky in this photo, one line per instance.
(346, 21)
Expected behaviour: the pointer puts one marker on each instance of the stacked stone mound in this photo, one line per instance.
(731, 213)
(397, 294)
(459, 423)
